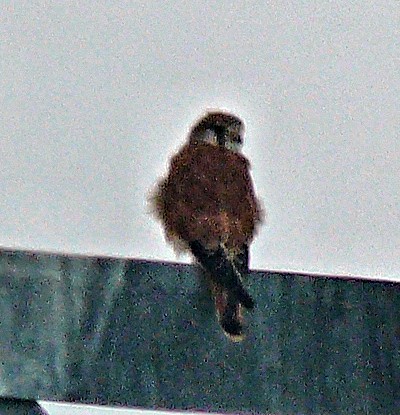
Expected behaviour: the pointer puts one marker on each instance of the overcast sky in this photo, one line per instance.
(96, 96)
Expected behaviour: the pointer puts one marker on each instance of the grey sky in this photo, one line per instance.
(96, 96)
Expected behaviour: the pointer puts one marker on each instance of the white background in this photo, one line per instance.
(95, 96)
(66, 409)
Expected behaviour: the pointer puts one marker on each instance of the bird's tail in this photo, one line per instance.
(227, 286)
(223, 271)
(229, 314)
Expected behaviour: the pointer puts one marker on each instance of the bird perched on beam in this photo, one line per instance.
(208, 206)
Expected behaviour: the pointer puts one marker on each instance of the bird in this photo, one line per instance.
(208, 206)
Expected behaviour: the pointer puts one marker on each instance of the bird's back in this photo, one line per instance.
(207, 195)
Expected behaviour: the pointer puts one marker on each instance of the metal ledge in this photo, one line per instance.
(143, 334)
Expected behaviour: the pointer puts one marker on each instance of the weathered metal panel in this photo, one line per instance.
(137, 333)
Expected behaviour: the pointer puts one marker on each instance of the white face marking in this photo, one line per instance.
(234, 139)
(210, 137)
(233, 146)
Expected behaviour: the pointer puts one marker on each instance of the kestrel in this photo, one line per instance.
(208, 206)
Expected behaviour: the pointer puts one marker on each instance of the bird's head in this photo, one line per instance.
(219, 129)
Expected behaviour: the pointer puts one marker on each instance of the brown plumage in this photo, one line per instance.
(207, 204)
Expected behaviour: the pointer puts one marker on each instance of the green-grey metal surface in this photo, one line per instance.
(11, 406)
(139, 333)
